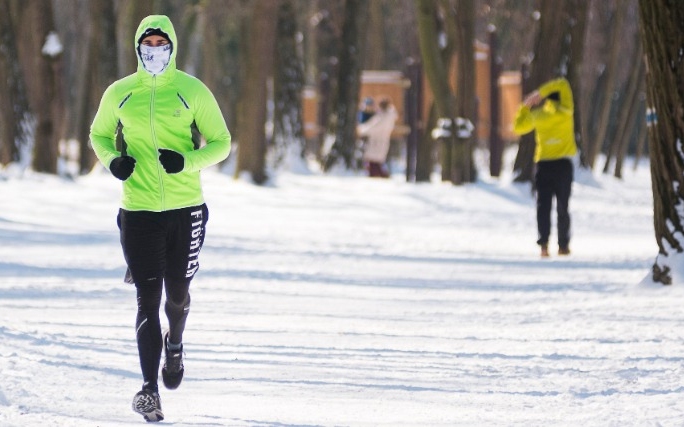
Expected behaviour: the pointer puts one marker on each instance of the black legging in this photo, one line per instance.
(554, 179)
(148, 324)
(161, 250)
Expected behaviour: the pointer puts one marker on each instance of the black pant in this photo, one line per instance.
(554, 179)
(161, 250)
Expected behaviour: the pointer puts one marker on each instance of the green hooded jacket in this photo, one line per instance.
(151, 112)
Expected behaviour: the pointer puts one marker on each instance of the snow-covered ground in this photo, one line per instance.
(345, 301)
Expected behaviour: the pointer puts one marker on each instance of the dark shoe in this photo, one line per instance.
(148, 404)
(544, 251)
(563, 251)
(172, 372)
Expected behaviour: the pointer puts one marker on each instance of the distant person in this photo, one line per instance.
(163, 216)
(367, 110)
(378, 131)
(549, 111)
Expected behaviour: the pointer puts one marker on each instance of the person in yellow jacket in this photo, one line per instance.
(158, 113)
(549, 112)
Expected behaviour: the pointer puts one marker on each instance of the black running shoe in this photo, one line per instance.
(148, 404)
(172, 371)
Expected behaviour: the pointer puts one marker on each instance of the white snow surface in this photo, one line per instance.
(339, 300)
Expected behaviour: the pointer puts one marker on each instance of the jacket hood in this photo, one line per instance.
(163, 24)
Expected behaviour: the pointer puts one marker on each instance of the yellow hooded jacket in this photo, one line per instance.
(553, 122)
(160, 111)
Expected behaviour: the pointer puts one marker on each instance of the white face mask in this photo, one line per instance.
(155, 58)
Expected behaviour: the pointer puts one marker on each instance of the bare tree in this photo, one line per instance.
(462, 165)
(348, 84)
(374, 57)
(288, 83)
(128, 14)
(257, 59)
(15, 117)
(40, 51)
(626, 121)
(435, 69)
(596, 143)
(552, 58)
(452, 107)
(662, 32)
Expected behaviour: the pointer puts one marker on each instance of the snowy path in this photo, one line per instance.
(341, 301)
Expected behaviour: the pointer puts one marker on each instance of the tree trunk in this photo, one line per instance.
(641, 140)
(15, 117)
(35, 25)
(435, 69)
(374, 57)
(616, 43)
(348, 83)
(426, 148)
(662, 32)
(496, 145)
(551, 59)
(523, 166)
(129, 13)
(97, 70)
(417, 167)
(258, 63)
(627, 116)
(220, 62)
(288, 84)
(462, 165)
(578, 11)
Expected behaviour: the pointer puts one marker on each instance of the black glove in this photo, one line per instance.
(172, 161)
(122, 167)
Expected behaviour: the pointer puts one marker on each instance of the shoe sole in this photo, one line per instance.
(146, 406)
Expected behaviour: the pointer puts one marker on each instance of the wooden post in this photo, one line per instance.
(413, 105)
(495, 141)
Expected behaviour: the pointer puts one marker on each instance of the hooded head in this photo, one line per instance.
(554, 96)
(151, 59)
(551, 102)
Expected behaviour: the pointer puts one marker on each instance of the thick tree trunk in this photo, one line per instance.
(435, 69)
(129, 13)
(523, 166)
(374, 58)
(288, 84)
(578, 11)
(348, 83)
(662, 31)
(462, 165)
(42, 70)
(15, 117)
(97, 69)
(552, 56)
(616, 47)
(627, 117)
(426, 148)
(258, 62)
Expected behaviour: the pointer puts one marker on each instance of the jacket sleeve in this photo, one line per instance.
(562, 86)
(523, 122)
(212, 126)
(103, 128)
(365, 128)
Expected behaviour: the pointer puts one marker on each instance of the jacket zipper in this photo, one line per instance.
(154, 141)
